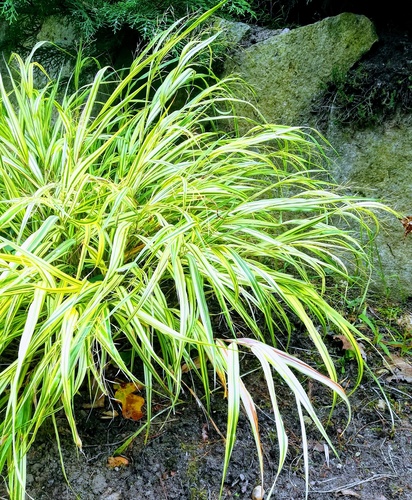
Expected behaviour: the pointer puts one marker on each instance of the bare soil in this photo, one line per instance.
(183, 457)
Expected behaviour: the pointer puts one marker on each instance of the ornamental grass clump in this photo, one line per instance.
(127, 212)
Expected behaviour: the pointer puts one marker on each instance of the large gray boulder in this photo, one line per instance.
(290, 69)
(377, 163)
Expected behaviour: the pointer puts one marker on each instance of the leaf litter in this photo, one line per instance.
(130, 401)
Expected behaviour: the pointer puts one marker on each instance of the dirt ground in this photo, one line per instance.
(183, 456)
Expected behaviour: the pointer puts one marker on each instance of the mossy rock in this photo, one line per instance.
(289, 70)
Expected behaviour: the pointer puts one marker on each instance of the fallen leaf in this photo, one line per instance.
(113, 462)
(401, 369)
(97, 403)
(347, 346)
(407, 224)
(131, 403)
(405, 322)
(318, 447)
(186, 368)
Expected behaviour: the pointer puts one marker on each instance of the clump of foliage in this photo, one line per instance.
(94, 17)
(126, 219)
(96, 21)
(106, 28)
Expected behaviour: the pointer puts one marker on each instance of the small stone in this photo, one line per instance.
(308, 421)
(258, 493)
(381, 405)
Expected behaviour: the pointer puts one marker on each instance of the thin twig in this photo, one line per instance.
(356, 483)
(397, 390)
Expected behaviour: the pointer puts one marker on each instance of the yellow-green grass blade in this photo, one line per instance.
(231, 359)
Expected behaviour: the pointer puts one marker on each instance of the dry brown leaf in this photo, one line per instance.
(401, 369)
(97, 403)
(113, 462)
(131, 403)
(407, 224)
(347, 346)
(186, 368)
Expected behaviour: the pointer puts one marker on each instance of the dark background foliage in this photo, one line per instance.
(134, 20)
(111, 30)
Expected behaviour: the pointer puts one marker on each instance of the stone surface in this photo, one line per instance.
(58, 30)
(232, 33)
(288, 72)
(377, 163)
(61, 33)
(290, 69)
